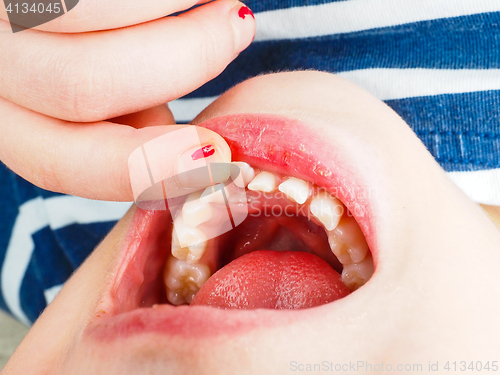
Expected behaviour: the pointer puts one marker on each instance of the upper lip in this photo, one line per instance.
(268, 142)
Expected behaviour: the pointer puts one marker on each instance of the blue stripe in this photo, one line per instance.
(32, 297)
(452, 43)
(49, 260)
(9, 202)
(461, 130)
(77, 241)
(263, 6)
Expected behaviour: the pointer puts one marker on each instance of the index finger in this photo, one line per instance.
(93, 15)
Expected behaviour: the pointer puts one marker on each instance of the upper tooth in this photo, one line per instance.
(264, 181)
(213, 194)
(187, 243)
(327, 209)
(339, 248)
(195, 211)
(347, 241)
(247, 174)
(357, 274)
(183, 280)
(296, 189)
(350, 232)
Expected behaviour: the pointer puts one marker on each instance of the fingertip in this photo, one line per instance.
(243, 23)
(155, 167)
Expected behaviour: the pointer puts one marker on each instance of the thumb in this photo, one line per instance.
(91, 160)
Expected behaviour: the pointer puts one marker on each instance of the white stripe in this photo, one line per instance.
(357, 15)
(31, 218)
(185, 110)
(36, 214)
(67, 210)
(388, 84)
(385, 84)
(51, 293)
(480, 186)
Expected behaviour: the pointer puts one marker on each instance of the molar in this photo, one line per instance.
(327, 209)
(355, 275)
(296, 189)
(347, 241)
(183, 280)
(264, 181)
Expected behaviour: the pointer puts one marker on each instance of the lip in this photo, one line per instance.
(270, 142)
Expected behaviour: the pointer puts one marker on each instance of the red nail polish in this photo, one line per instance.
(203, 152)
(244, 10)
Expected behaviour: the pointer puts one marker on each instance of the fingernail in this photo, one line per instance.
(202, 166)
(243, 22)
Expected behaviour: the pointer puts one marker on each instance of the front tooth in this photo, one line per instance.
(264, 181)
(247, 174)
(188, 244)
(183, 280)
(196, 212)
(357, 274)
(296, 189)
(327, 209)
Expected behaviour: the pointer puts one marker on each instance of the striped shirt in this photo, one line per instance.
(435, 62)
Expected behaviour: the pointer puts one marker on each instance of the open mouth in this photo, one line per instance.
(305, 242)
(299, 246)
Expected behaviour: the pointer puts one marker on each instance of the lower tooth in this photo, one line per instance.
(183, 280)
(355, 275)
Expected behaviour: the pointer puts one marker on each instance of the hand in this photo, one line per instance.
(52, 80)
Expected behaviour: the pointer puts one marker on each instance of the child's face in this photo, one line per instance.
(435, 294)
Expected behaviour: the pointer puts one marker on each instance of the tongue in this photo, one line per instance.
(273, 280)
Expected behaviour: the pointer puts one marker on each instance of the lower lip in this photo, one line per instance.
(268, 142)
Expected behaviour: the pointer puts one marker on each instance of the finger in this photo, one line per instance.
(88, 160)
(92, 15)
(95, 76)
(159, 115)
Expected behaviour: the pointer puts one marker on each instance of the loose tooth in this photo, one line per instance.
(264, 181)
(188, 244)
(296, 189)
(327, 209)
(247, 174)
(196, 212)
(184, 280)
(213, 194)
(357, 274)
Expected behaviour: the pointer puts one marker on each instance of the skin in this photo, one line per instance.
(434, 297)
(63, 85)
